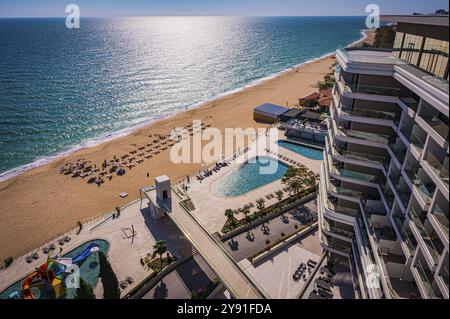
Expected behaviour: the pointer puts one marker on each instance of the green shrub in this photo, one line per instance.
(109, 280)
(85, 291)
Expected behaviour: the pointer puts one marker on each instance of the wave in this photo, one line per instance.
(124, 132)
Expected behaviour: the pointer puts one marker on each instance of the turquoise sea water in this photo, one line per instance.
(250, 176)
(309, 152)
(63, 89)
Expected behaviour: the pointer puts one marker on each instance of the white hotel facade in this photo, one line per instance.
(384, 184)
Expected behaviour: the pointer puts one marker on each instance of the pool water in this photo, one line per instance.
(308, 152)
(255, 173)
(89, 272)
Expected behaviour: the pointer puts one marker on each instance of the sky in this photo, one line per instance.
(108, 8)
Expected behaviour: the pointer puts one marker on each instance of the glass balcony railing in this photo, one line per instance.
(438, 167)
(411, 102)
(370, 89)
(362, 156)
(402, 190)
(414, 139)
(439, 126)
(337, 230)
(344, 191)
(336, 246)
(424, 278)
(425, 235)
(342, 209)
(380, 56)
(444, 274)
(358, 175)
(368, 136)
(400, 152)
(369, 113)
(435, 81)
(441, 218)
(426, 191)
(388, 196)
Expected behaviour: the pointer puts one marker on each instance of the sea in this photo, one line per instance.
(64, 89)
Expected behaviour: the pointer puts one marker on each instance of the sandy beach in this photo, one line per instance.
(42, 204)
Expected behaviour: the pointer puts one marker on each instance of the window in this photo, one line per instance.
(411, 48)
(435, 57)
(398, 44)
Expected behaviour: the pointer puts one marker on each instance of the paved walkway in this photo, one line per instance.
(234, 278)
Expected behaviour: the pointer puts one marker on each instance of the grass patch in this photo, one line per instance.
(204, 292)
(155, 264)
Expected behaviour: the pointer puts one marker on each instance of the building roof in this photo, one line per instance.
(162, 179)
(311, 116)
(273, 109)
(293, 113)
(432, 19)
(311, 96)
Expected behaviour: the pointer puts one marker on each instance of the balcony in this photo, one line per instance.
(425, 235)
(366, 136)
(357, 175)
(414, 139)
(398, 149)
(368, 56)
(376, 114)
(435, 81)
(425, 189)
(401, 188)
(436, 120)
(439, 168)
(370, 89)
(425, 279)
(341, 209)
(441, 219)
(336, 230)
(406, 235)
(364, 157)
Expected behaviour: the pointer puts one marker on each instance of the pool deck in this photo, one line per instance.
(210, 207)
(124, 252)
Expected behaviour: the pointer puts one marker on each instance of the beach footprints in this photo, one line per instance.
(100, 173)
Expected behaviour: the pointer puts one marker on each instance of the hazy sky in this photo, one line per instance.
(50, 8)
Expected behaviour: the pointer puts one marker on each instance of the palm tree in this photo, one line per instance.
(260, 204)
(229, 213)
(246, 212)
(161, 247)
(279, 195)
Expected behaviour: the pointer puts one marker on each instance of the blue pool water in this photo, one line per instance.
(89, 272)
(253, 174)
(63, 89)
(308, 152)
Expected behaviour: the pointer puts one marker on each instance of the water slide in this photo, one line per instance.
(26, 291)
(85, 254)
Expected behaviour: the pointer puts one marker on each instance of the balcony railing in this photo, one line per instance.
(371, 137)
(402, 190)
(399, 152)
(337, 231)
(424, 278)
(441, 218)
(439, 126)
(357, 175)
(425, 191)
(362, 157)
(425, 235)
(370, 89)
(414, 139)
(369, 113)
(342, 209)
(439, 168)
(336, 246)
(444, 274)
(435, 81)
(405, 234)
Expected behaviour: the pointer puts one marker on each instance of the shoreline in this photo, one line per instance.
(40, 204)
(96, 141)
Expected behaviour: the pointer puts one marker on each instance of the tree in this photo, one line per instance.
(279, 195)
(160, 247)
(109, 279)
(246, 212)
(297, 177)
(385, 37)
(260, 204)
(85, 291)
(229, 213)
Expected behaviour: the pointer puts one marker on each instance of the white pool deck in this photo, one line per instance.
(210, 207)
(124, 252)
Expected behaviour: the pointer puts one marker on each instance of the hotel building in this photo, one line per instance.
(384, 184)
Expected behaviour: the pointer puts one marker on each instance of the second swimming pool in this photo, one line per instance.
(253, 174)
(308, 152)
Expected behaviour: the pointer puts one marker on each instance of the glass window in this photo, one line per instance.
(435, 57)
(411, 48)
(398, 44)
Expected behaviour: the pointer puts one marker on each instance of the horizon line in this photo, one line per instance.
(163, 15)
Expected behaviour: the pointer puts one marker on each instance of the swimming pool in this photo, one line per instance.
(308, 152)
(251, 175)
(89, 272)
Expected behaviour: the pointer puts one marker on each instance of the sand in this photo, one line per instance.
(41, 204)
